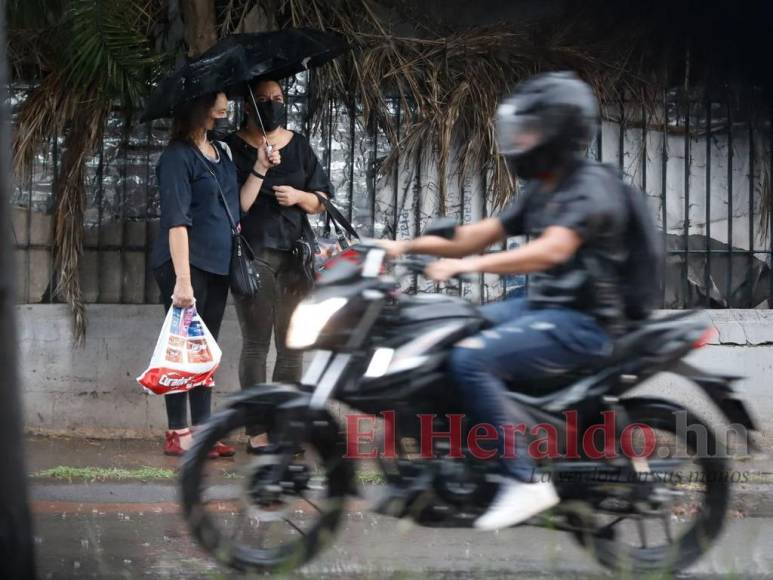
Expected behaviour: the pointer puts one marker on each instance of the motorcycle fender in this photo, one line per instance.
(320, 419)
(268, 402)
(720, 390)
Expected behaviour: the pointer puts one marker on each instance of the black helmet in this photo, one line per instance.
(548, 121)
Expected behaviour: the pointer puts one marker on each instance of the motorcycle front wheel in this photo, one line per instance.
(266, 513)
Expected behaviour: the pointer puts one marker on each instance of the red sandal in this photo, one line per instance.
(224, 450)
(219, 449)
(172, 443)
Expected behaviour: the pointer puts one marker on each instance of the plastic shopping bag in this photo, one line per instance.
(186, 355)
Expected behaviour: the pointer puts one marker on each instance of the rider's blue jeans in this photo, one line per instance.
(527, 344)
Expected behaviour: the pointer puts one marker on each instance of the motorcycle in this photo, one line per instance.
(651, 497)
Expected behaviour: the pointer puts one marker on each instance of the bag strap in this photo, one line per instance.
(333, 215)
(234, 226)
(235, 230)
(336, 217)
(326, 229)
(328, 221)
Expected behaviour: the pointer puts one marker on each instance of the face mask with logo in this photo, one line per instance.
(272, 113)
(221, 129)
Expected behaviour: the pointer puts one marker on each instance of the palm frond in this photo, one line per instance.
(110, 49)
(84, 135)
(33, 36)
(105, 59)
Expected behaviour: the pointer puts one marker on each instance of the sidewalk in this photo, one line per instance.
(52, 459)
(140, 463)
(49, 452)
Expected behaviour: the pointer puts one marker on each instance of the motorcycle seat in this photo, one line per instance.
(654, 336)
(423, 308)
(653, 331)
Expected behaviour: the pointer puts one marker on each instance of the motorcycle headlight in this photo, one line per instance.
(309, 319)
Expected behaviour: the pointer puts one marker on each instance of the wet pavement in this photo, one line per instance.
(133, 529)
(152, 542)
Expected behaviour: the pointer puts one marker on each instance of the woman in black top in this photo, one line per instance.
(276, 201)
(191, 257)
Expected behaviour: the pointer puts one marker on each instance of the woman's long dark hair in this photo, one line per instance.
(190, 117)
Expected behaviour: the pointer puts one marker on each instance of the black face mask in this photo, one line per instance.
(272, 113)
(221, 129)
(538, 161)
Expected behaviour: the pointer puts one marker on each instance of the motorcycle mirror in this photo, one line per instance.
(444, 227)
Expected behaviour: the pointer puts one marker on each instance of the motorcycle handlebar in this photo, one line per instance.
(417, 264)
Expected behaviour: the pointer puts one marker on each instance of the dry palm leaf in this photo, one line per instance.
(448, 86)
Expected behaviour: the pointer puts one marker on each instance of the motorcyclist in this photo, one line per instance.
(575, 216)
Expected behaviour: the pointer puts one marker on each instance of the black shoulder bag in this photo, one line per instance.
(310, 255)
(245, 279)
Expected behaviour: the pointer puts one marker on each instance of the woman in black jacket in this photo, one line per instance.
(276, 201)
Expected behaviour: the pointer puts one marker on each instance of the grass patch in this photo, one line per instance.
(69, 473)
(371, 477)
(66, 472)
(364, 477)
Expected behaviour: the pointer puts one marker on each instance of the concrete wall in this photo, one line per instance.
(92, 391)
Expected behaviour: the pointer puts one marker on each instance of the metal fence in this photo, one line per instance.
(702, 156)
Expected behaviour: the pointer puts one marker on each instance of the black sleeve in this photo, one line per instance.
(512, 217)
(316, 179)
(581, 215)
(174, 184)
(586, 206)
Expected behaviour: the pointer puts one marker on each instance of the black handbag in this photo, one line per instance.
(245, 278)
(244, 275)
(310, 254)
(301, 278)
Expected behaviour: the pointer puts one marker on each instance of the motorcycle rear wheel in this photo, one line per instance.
(610, 551)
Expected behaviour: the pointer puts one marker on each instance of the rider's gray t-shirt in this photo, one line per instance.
(590, 201)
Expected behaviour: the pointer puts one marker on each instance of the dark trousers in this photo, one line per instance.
(211, 292)
(265, 314)
(524, 344)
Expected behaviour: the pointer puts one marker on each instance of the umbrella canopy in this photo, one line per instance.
(241, 58)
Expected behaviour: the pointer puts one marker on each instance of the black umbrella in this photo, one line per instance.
(241, 58)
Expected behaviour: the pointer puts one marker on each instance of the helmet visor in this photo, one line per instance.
(517, 134)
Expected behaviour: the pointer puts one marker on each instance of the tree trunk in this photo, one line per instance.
(200, 25)
(260, 18)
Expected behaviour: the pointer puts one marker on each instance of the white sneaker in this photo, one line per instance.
(516, 502)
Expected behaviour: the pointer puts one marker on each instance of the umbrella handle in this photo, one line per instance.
(269, 146)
